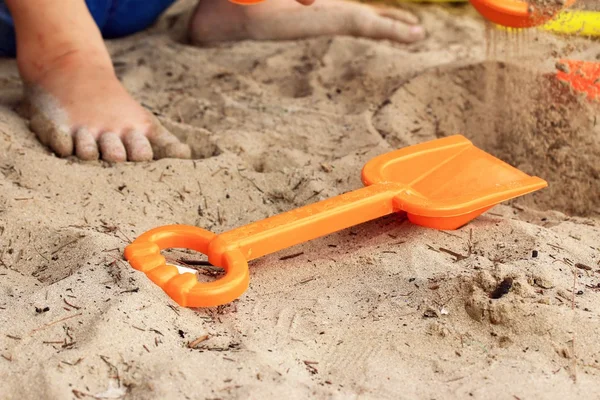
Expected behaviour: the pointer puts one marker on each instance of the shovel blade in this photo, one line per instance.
(449, 181)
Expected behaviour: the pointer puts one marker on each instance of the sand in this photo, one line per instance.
(378, 311)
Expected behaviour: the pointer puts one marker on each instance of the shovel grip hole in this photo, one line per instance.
(173, 257)
(190, 280)
(193, 261)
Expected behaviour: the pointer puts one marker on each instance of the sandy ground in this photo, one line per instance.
(379, 311)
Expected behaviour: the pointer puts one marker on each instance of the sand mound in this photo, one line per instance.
(522, 116)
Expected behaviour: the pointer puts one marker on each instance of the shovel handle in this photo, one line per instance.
(232, 250)
(307, 223)
(144, 255)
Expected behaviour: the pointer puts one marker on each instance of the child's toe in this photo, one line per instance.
(112, 148)
(85, 145)
(137, 146)
(167, 145)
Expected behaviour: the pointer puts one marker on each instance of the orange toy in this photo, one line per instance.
(583, 76)
(516, 13)
(442, 184)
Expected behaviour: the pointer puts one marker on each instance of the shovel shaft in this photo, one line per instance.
(306, 223)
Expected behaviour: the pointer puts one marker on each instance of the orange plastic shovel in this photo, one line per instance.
(517, 13)
(442, 184)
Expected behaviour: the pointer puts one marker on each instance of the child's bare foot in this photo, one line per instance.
(76, 103)
(80, 108)
(220, 20)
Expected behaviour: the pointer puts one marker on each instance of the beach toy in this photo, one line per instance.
(582, 23)
(582, 76)
(519, 13)
(441, 184)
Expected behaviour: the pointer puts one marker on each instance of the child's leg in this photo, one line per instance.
(220, 20)
(78, 104)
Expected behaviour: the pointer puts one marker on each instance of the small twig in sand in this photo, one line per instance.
(310, 365)
(7, 358)
(573, 291)
(555, 247)
(54, 323)
(219, 170)
(470, 243)
(199, 265)
(458, 257)
(112, 367)
(79, 394)
(432, 248)
(303, 281)
(220, 219)
(194, 262)
(116, 260)
(251, 181)
(574, 372)
(196, 342)
(71, 305)
(40, 254)
(291, 256)
(156, 331)
(583, 266)
(126, 237)
(73, 364)
(66, 244)
(315, 194)
(451, 234)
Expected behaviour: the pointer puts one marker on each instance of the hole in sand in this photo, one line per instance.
(201, 141)
(187, 260)
(523, 117)
(280, 159)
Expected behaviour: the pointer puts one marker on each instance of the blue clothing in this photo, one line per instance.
(115, 18)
